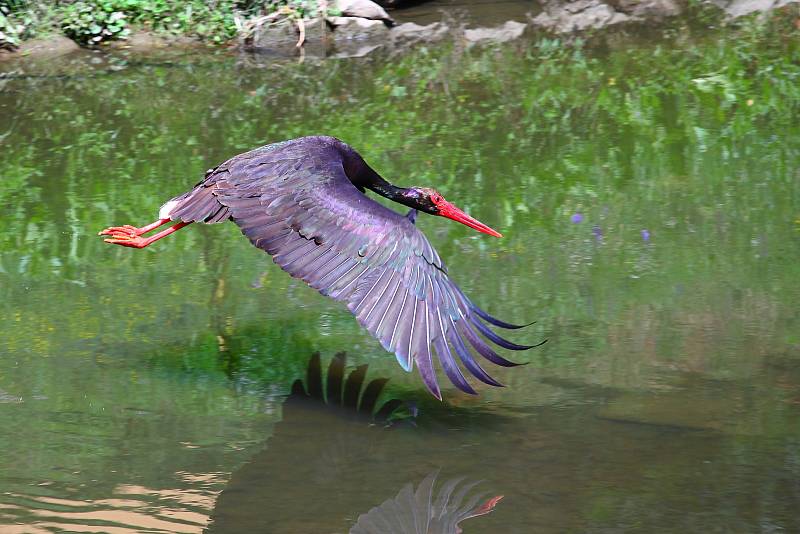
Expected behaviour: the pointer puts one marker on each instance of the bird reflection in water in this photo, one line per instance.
(416, 512)
(335, 457)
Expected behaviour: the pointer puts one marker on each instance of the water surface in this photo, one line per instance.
(650, 200)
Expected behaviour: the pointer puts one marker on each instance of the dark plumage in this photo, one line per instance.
(302, 201)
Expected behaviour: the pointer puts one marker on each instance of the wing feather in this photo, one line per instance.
(315, 252)
(466, 358)
(401, 333)
(366, 306)
(316, 268)
(379, 311)
(422, 348)
(292, 250)
(447, 361)
(494, 338)
(390, 306)
(481, 347)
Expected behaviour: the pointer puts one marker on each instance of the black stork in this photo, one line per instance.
(302, 201)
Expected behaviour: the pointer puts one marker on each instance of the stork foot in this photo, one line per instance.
(128, 240)
(126, 235)
(130, 236)
(120, 231)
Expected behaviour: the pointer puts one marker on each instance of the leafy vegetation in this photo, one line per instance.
(9, 31)
(95, 21)
(20, 20)
(91, 22)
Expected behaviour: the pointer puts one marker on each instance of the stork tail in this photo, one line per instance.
(198, 205)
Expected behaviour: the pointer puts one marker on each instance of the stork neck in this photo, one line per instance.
(364, 176)
(385, 189)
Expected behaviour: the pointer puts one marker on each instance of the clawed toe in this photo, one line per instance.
(131, 236)
(126, 235)
(119, 231)
(127, 240)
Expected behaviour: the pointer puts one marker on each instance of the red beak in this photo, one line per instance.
(451, 212)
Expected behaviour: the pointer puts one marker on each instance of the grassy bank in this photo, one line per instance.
(92, 22)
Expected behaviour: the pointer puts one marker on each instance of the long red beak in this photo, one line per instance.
(451, 212)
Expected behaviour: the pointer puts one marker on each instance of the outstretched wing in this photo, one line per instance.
(303, 210)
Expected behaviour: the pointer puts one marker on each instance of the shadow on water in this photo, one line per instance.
(333, 458)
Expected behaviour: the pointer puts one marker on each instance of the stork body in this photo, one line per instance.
(302, 201)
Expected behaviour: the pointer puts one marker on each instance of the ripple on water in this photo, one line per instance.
(128, 508)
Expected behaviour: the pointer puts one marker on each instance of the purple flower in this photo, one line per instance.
(576, 218)
(598, 232)
(645, 235)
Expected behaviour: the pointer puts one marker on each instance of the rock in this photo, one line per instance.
(409, 34)
(578, 16)
(355, 50)
(43, 48)
(365, 9)
(501, 34)
(143, 41)
(358, 29)
(648, 9)
(739, 8)
(283, 36)
(318, 36)
(273, 36)
(357, 37)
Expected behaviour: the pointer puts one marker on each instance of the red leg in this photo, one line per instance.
(132, 231)
(137, 241)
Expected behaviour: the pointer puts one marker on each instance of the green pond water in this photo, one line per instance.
(649, 195)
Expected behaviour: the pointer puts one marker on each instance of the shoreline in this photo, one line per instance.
(341, 37)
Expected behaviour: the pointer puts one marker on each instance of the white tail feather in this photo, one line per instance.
(165, 210)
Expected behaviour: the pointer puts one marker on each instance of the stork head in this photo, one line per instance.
(432, 202)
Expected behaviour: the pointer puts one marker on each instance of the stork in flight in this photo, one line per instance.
(302, 201)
